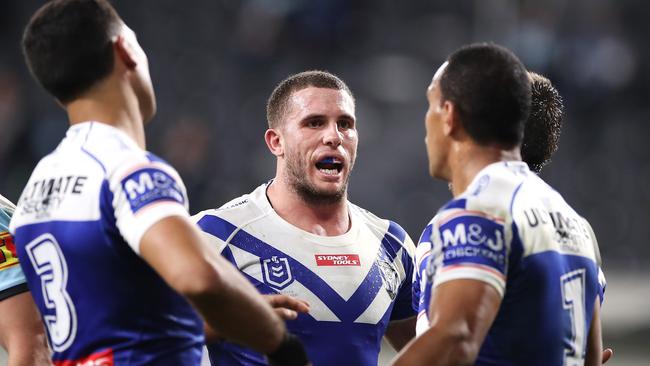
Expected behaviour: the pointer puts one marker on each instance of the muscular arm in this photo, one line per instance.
(287, 307)
(21, 332)
(225, 299)
(461, 314)
(595, 355)
(400, 332)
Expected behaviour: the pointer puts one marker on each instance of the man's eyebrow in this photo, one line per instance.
(321, 115)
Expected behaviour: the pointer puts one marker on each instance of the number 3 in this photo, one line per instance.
(573, 295)
(48, 262)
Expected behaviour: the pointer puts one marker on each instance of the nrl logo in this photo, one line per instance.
(277, 272)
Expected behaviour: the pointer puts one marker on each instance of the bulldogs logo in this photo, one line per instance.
(389, 276)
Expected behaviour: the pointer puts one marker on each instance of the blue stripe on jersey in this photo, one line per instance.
(514, 194)
(92, 156)
(216, 226)
(426, 234)
(420, 269)
(156, 159)
(107, 210)
(459, 203)
(346, 311)
(227, 253)
(391, 245)
(516, 254)
(397, 230)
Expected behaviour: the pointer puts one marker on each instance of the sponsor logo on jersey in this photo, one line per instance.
(149, 185)
(44, 195)
(570, 231)
(473, 239)
(103, 358)
(328, 260)
(277, 272)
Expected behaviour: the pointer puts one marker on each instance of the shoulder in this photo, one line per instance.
(492, 192)
(110, 148)
(393, 231)
(119, 156)
(592, 236)
(228, 209)
(235, 212)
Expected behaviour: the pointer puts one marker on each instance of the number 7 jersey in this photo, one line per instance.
(513, 231)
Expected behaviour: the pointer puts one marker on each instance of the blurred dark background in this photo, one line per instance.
(214, 63)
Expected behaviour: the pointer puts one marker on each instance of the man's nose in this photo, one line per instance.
(333, 135)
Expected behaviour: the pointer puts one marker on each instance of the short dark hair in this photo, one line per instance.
(67, 45)
(490, 89)
(277, 103)
(542, 131)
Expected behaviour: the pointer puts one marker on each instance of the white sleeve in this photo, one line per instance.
(143, 194)
(470, 245)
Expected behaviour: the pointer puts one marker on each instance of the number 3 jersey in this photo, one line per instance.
(513, 231)
(355, 283)
(77, 229)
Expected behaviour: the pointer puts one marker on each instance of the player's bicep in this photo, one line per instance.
(143, 194)
(400, 332)
(465, 309)
(173, 247)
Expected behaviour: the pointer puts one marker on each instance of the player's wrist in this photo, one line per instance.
(290, 352)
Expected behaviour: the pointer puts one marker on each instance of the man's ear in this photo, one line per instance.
(124, 52)
(274, 142)
(449, 118)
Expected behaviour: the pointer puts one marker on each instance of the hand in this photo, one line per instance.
(287, 307)
(607, 354)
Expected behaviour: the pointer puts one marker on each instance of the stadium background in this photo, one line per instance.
(215, 62)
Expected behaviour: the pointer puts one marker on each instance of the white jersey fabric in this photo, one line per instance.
(513, 231)
(355, 283)
(77, 229)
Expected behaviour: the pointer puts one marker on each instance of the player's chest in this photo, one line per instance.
(294, 265)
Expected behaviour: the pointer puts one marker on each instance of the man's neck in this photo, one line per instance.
(320, 219)
(468, 160)
(113, 110)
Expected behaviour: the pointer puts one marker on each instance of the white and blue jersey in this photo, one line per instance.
(513, 231)
(77, 229)
(356, 283)
(12, 280)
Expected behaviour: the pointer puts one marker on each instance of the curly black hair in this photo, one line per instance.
(542, 129)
